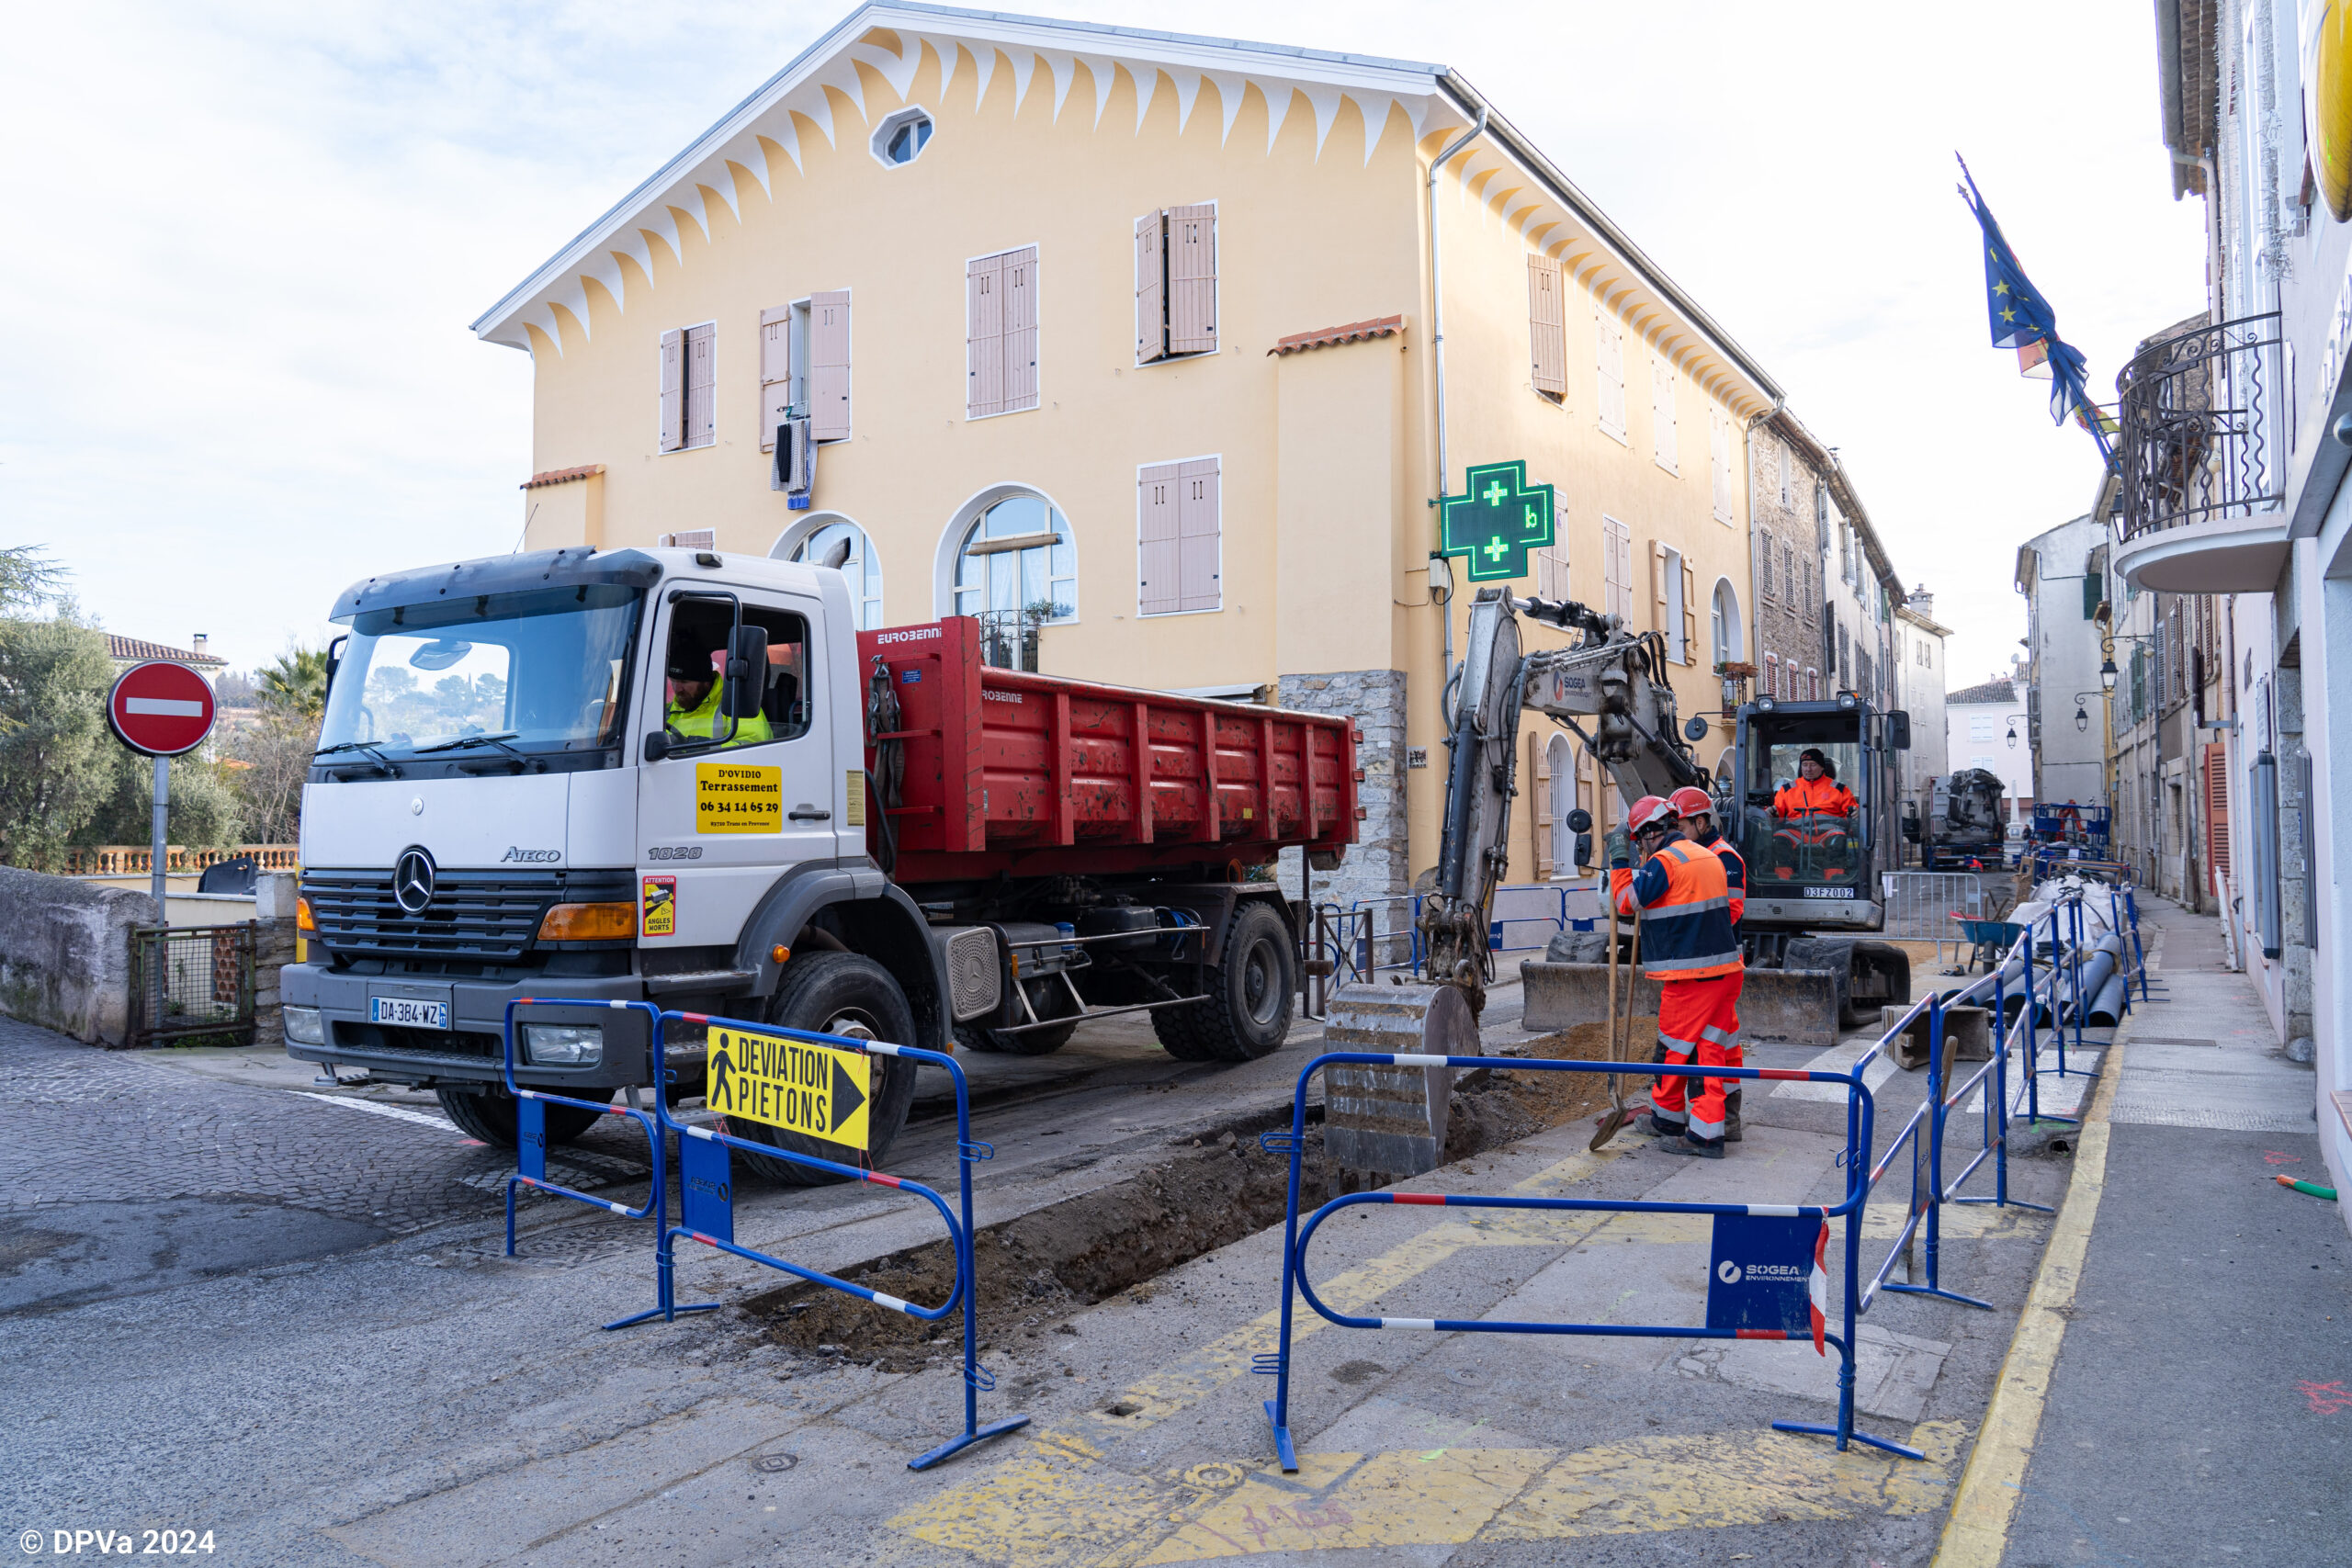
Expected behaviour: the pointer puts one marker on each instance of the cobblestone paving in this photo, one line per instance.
(88, 1125)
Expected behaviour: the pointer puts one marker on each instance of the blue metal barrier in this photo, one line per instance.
(1295, 1236)
(706, 1208)
(531, 1141)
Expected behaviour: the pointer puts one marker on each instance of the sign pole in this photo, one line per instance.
(163, 809)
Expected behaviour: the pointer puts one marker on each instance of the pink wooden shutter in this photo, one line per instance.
(1547, 327)
(674, 383)
(983, 338)
(1191, 279)
(1151, 276)
(701, 386)
(1157, 566)
(1199, 544)
(1018, 276)
(776, 372)
(828, 364)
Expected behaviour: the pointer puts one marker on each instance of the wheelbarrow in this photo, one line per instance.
(1989, 940)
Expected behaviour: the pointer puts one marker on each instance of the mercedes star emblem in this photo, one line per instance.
(413, 880)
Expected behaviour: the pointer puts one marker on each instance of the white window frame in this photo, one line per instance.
(878, 143)
(684, 402)
(806, 526)
(1604, 319)
(1037, 284)
(1216, 457)
(959, 522)
(1662, 366)
(1217, 294)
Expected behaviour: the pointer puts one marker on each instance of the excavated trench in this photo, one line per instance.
(1212, 1189)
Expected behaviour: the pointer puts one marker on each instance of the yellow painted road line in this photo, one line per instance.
(1977, 1534)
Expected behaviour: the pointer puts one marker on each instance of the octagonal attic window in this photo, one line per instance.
(901, 138)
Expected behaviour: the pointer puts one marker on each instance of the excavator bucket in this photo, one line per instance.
(1795, 1007)
(1381, 1123)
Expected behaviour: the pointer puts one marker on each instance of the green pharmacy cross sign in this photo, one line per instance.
(1496, 522)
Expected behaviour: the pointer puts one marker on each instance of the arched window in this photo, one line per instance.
(1730, 636)
(1564, 800)
(861, 567)
(1014, 566)
(1016, 558)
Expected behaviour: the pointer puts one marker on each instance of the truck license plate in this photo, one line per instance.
(1830, 893)
(408, 1010)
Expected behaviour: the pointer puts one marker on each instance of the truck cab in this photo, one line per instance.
(646, 775)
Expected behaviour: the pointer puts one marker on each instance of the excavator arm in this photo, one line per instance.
(1612, 680)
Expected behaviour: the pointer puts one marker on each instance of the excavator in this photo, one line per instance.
(1813, 889)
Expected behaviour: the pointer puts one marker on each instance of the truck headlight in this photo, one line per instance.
(563, 1044)
(305, 1027)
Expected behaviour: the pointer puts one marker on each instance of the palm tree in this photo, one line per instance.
(296, 682)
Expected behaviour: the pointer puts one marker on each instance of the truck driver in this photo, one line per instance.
(692, 714)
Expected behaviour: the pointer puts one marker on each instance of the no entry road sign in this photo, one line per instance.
(160, 709)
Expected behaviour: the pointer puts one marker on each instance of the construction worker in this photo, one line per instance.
(1687, 947)
(1815, 790)
(692, 711)
(1696, 814)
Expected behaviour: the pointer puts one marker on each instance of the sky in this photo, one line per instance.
(251, 234)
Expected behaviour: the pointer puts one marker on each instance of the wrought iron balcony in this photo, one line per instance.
(2203, 454)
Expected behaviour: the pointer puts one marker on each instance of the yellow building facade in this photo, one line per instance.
(1128, 339)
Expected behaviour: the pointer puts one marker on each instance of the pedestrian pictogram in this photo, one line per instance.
(159, 708)
(1496, 520)
(791, 1084)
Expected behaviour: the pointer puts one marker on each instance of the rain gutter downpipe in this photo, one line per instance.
(1437, 351)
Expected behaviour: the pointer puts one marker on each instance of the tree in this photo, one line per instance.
(53, 776)
(205, 812)
(270, 759)
(26, 576)
(297, 682)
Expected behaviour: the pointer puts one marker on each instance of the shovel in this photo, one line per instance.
(1619, 1112)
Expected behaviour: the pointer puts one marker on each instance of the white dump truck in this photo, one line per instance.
(682, 777)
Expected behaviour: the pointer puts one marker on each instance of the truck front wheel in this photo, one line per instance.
(488, 1114)
(1246, 1014)
(847, 994)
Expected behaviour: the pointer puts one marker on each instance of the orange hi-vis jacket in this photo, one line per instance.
(1686, 912)
(1735, 871)
(1804, 796)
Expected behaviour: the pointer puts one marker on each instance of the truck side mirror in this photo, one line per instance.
(1584, 844)
(1898, 731)
(334, 663)
(747, 673)
(1580, 821)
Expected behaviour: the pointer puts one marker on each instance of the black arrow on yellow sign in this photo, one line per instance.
(847, 1096)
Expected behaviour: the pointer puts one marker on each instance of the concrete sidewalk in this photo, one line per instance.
(2193, 1326)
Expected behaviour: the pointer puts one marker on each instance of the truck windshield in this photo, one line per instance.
(1797, 830)
(544, 670)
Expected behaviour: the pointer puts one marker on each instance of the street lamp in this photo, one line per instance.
(2107, 672)
(2013, 729)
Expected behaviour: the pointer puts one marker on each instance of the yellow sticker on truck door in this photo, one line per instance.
(791, 1084)
(735, 797)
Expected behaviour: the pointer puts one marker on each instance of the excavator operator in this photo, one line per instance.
(1815, 790)
(1688, 947)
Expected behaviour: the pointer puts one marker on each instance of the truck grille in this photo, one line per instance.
(485, 917)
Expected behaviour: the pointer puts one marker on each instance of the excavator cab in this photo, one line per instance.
(1812, 845)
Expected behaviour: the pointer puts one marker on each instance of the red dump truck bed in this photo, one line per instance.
(1020, 774)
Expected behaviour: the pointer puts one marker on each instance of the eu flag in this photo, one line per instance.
(2021, 318)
